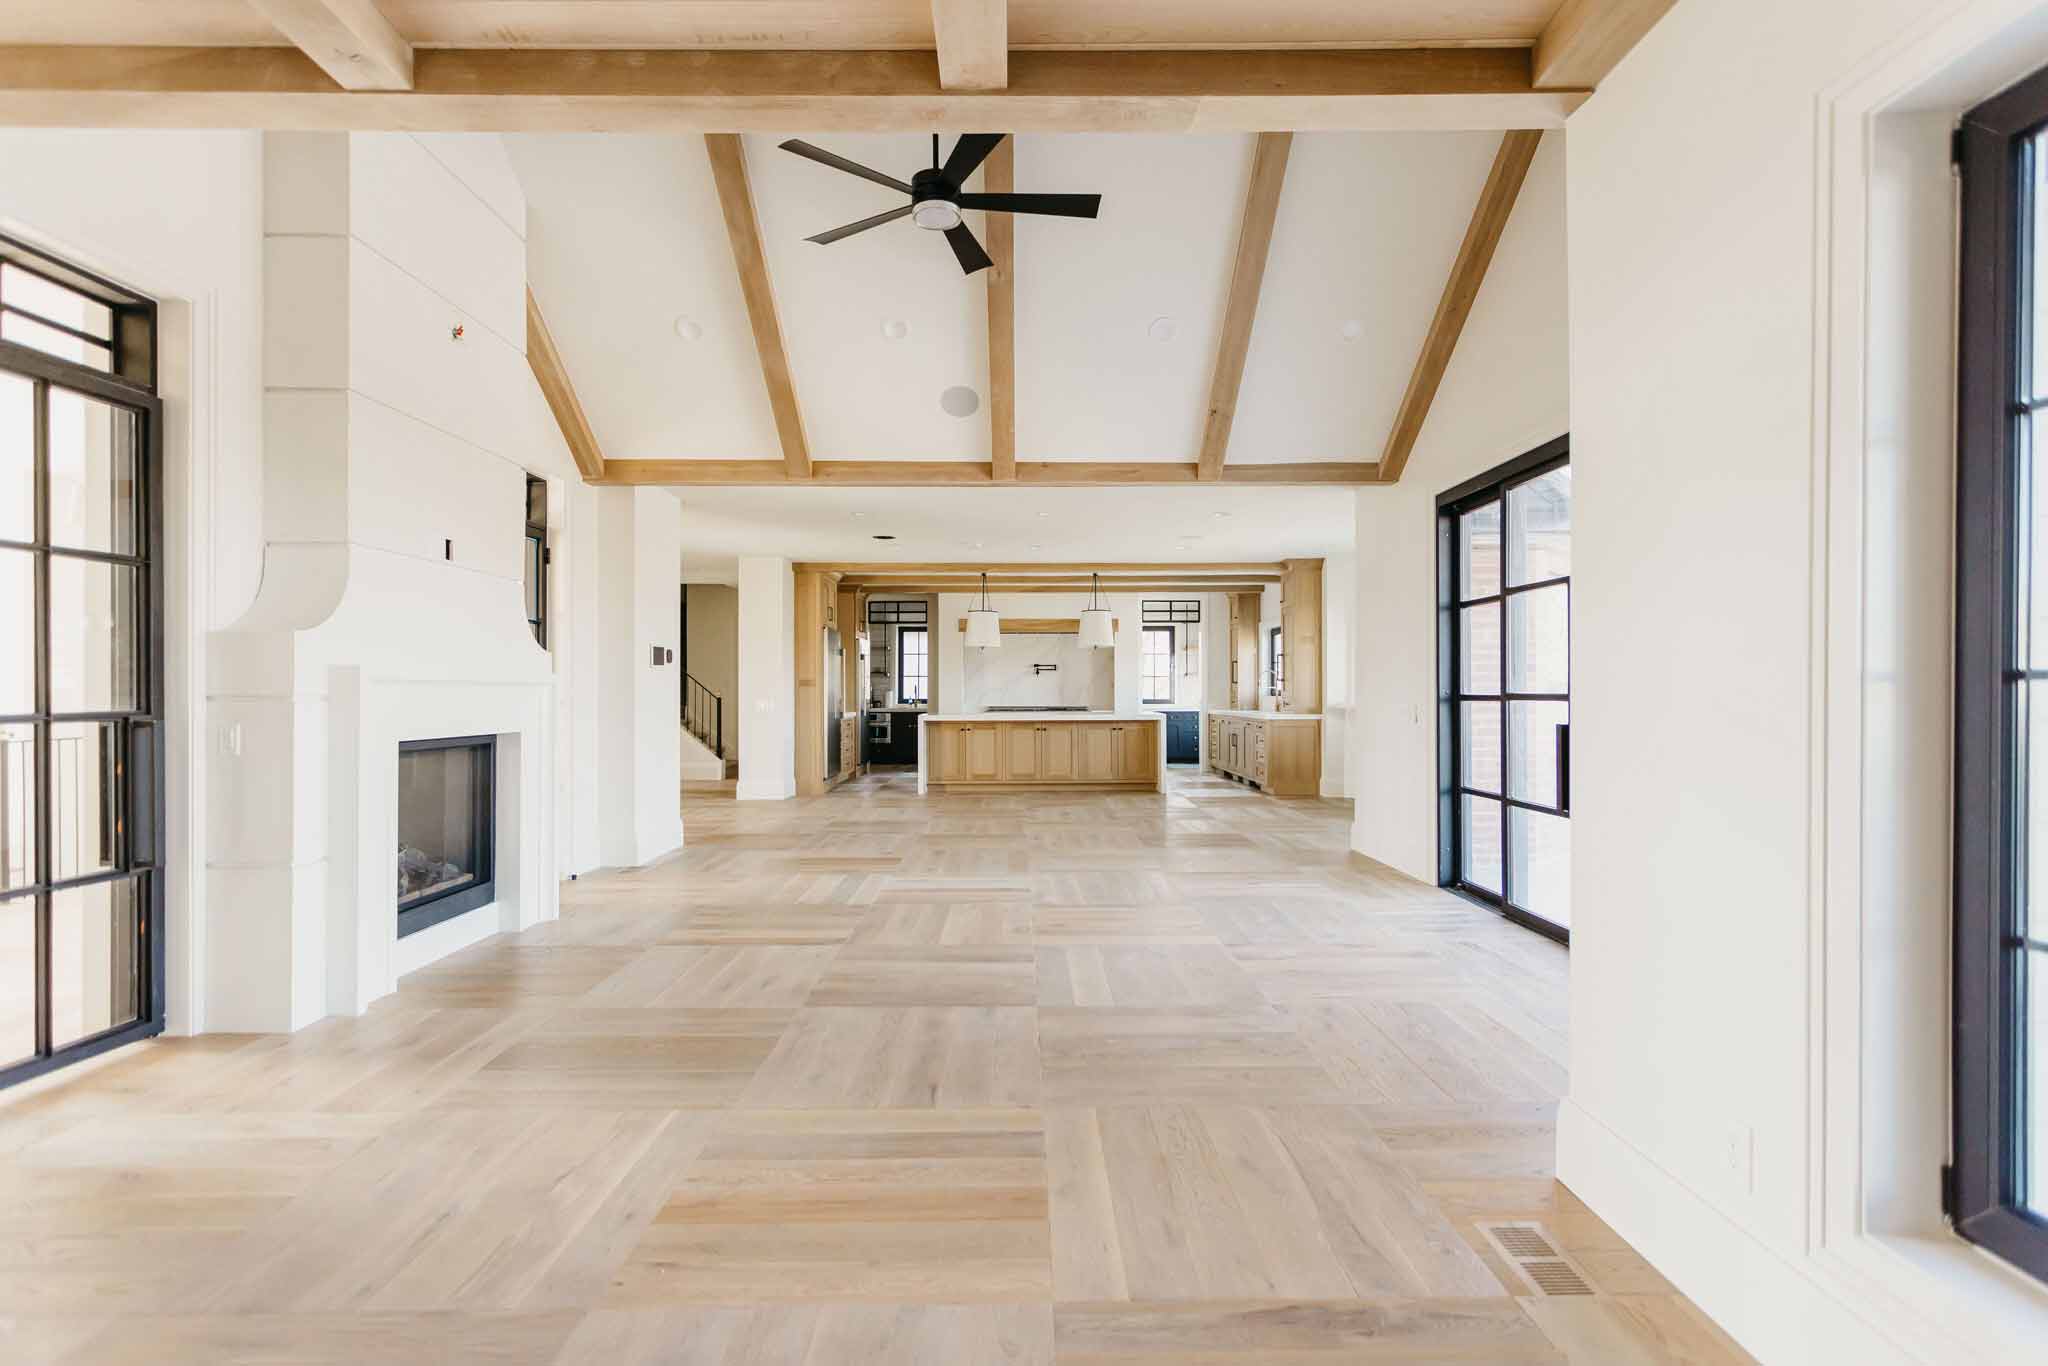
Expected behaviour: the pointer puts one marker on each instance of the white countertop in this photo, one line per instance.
(1273, 715)
(1046, 716)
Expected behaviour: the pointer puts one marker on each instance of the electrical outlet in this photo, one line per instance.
(1738, 1156)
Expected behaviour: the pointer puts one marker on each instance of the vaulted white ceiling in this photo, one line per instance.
(1117, 319)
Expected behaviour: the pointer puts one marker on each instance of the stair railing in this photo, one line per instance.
(704, 715)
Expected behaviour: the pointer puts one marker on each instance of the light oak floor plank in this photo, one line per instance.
(1054, 1079)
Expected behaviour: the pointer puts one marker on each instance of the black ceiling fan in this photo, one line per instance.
(936, 199)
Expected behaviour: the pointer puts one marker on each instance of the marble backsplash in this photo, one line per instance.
(1006, 677)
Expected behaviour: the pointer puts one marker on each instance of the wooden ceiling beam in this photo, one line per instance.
(546, 363)
(677, 91)
(999, 231)
(973, 39)
(743, 230)
(350, 40)
(1241, 304)
(910, 473)
(1585, 40)
(1482, 236)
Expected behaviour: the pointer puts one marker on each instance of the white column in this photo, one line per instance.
(767, 692)
(658, 687)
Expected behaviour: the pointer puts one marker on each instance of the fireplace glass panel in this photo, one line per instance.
(444, 829)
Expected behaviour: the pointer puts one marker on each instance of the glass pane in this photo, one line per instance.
(532, 579)
(17, 458)
(536, 501)
(2033, 599)
(93, 466)
(1540, 528)
(2034, 1079)
(1540, 880)
(1479, 553)
(2032, 796)
(95, 977)
(84, 787)
(440, 840)
(92, 636)
(17, 979)
(1479, 731)
(27, 331)
(1481, 819)
(23, 289)
(17, 810)
(1479, 650)
(1539, 640)
(2039, 160)
(17, 632)
(1532, 755)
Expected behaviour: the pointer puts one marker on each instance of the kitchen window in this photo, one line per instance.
(1997, 1189)
(913, 682)
(1158, 666)
(535, 568)
(1276, 662)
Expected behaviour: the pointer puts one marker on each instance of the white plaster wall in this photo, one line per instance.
(1506, 391)
(949, 641)
(1728, 339)
(657, 691)
(767, 691)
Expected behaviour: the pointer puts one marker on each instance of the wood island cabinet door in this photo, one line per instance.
(983, 754)
(1139, 758)
(944, 764)
(1056, 758)
(1020, 753)
(1097, 758)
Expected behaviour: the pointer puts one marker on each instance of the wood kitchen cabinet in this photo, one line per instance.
(1029, 753)
(1275, 751)
(1301, 636)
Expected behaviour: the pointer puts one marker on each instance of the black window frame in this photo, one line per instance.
(1276, 662)
(535, 560)
(128, 382)
(903, 696)
(1172, 648)
(1492, 486)
(1997, 147)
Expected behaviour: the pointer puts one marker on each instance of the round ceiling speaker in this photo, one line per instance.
(960, 401)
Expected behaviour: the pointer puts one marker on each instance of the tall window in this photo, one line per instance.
(1999, 1187)
(1158, 665)
(1504, 755)
(914, 679)
(81, 667)
(536, 570)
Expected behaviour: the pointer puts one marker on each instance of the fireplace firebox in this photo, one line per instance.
(446, 817)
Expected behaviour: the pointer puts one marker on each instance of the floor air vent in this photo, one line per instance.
(1527, 1249)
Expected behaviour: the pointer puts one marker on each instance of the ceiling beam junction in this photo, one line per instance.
(553, 377)
(350, 40)
(1241, 304)
(973, 41)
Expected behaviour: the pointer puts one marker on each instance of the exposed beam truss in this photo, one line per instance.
(1586, 38)
(999, 176)
(973, 38)
(743, 229)
(350, 40)
(1475, 255)
(546, 363)
(677, 91)
(1241, 305)
(918, 473)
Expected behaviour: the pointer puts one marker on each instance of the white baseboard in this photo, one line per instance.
(1774, 1305)
(764, 792)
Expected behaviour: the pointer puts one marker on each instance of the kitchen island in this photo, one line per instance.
(1040, 749)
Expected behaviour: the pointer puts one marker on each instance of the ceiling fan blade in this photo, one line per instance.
(840, 163)
(972, 257)
(862, 226)
(968, 154)
(1063, 205)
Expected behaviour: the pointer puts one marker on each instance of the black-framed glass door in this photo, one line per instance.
(1504, 658)
(81, 676)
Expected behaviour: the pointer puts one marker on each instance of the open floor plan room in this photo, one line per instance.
(872, 1078)
(1023, 682)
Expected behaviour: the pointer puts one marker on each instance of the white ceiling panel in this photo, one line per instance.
(1368, 229)
(865, 394)
(994, 525)
(1093, 380)
(624, 238)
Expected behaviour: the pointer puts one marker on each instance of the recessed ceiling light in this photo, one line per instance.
(1219, 516)
(688, 329)
(1162, 329)
(1352, 330)
(859, 514)
(895, 329)
(1038, 547)
(1045, 514)
(960, 401)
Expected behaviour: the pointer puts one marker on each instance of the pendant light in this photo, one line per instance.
(1096, 632)
(984, 625)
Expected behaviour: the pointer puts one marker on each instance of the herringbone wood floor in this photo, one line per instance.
(866, 1079)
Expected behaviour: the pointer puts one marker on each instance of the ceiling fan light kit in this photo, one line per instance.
(936, 199)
